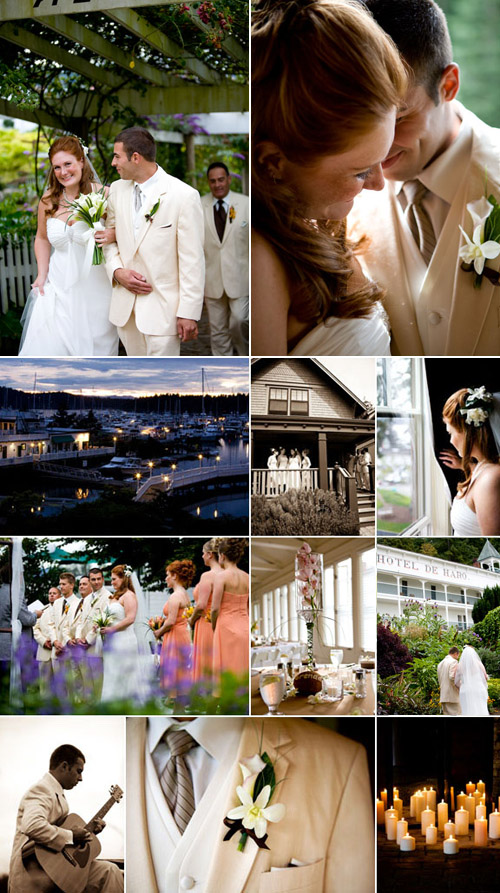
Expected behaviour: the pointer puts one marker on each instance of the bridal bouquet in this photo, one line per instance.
(90, 208)
(103, 619)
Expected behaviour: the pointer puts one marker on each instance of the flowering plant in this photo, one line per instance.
(477, 406)
(252, 816)
(485, 242)
(90, 209)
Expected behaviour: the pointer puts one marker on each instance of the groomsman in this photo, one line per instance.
(42, 632)
(86, 635)
(226, 263)
(64, 611)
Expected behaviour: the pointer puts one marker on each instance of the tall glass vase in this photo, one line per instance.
(309, 592)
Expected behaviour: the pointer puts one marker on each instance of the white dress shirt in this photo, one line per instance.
(148, 198)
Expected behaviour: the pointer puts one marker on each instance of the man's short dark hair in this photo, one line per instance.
(84, 577)
(420, 32)
(137, 139)
(65, 753)
(96, 570)
(217, 164)
(453, 651)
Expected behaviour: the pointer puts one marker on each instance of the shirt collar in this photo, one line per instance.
(441, 177)
(225, 199)
(53, 783)
(150, 182)
(215, 737)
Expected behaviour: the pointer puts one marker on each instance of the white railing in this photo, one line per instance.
(266, 482)
(172, 481)
(18, 270)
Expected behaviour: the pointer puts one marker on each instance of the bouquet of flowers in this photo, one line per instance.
(155, 623)
(208, 616)
(103, 619)
(90, 208)
(188, 612)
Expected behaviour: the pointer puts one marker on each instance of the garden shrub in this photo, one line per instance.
(494, 693)
(491, 661)
(489, 628)
(392, 654)
(396, 696)
(292, 513)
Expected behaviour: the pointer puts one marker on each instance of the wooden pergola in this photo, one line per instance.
(151, 58)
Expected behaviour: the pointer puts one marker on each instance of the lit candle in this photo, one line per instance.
(481, 812)
(401, 830)
(419, 804)
(412, 804)
(478, 797)
(431, 834)
(480, 832)
(450, 846)
(460, 800)
(383, 796)
(470, 788)
(407, 843)
(449, 829)
(391, 824)
(470, 805)
(380, 812)
(431, 799)
(427, 817)
(494, 825)
(398, 806)
(481, 787)
(462, 821)
(395, 793)
(452, 799)
(442, 811)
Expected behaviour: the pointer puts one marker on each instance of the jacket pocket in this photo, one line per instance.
(305, 878)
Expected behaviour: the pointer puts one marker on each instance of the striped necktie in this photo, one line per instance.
(418, 219)
(176, 782)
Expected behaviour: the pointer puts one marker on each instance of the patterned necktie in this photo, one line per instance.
(418, 219)
(220, 215)
(176, 782)
(137, 198)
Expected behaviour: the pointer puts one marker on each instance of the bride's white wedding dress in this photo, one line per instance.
(124, 667)
(473, 684)
(71, 318)
(357, 337)
(464, 519)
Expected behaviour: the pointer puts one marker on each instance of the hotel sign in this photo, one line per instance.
(425, 567)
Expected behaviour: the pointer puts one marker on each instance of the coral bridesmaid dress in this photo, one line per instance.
(175, 658)
(231, 637)
(203, 644)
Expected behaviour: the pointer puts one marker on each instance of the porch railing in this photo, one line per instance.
(17, 271)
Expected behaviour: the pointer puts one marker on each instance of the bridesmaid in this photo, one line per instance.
(175, 658)
(203, 643)
(230, 611)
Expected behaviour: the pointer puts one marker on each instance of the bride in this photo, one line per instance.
(322, 122)
(472, 681)
(472, 419)
(67, 313)
(122, 665)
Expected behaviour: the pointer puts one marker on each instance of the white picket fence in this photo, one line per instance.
(17, 271)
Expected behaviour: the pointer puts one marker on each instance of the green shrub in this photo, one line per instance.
(494, 692)
(397, 697)
(315, 512)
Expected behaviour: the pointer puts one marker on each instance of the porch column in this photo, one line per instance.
(322, 461)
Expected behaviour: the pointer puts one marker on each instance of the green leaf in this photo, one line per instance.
(265, 776)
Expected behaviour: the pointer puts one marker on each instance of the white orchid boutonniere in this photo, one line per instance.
(149, 216)
(252, 816)
(485, 242)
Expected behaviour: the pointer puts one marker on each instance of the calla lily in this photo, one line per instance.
(479, 210)
(256, 814)
(250, 769)
(478, 252)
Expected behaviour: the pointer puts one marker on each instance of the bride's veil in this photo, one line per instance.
(470, 678)
(141, 628)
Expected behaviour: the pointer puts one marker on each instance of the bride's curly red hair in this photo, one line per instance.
(480, 437)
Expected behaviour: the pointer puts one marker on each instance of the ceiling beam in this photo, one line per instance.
(92, 41)
(10, 110)
(71, 61)
(189, 99)
(26, 9)
(145, 31)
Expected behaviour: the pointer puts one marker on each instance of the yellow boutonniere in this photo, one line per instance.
(232, 214)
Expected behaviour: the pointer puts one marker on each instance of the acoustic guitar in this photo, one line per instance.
(68, 869)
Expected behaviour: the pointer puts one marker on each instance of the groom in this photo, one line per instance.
(156, 263)
(438, 163)
(448, 692)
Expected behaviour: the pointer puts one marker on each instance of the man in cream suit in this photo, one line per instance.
(63, 614)
(42, 632)
(156, 263)
(226, 260)
(87, 636)
(438, 164)
(41, 809)
(448, 692)
(326, 833)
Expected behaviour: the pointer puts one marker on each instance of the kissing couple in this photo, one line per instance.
(147, 229)
(463, 683)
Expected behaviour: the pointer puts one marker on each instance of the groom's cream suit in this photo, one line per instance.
(449, 696)
(167, 249)
(435, 310)
(328, 823)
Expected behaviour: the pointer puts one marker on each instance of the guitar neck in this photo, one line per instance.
(101, 813)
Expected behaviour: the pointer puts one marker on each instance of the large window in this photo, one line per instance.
(278, 400)
(400, 437)
(289, 401)
(299, 402)
(368, 583)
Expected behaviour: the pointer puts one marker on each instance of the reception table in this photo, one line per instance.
(299, 705)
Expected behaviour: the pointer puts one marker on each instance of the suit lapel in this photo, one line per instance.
(231, 200)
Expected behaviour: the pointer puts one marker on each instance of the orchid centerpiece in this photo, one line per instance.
(309, 591)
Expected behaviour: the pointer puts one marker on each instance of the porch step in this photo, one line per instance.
(366, 508)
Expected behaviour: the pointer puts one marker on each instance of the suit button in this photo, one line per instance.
(187, 883)
(435, 318)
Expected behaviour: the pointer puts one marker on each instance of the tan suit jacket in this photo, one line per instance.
(41, 806)
(63, 619)
(329, 820)
(168, 251)
(93, 603)
(226, 262)
(446, 674)
(451, 317)
(43, 630)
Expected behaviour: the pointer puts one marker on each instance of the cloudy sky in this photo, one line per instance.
(127, 376)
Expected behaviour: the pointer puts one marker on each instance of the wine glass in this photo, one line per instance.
(336, 655)
(272, 686)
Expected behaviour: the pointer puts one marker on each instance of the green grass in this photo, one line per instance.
(394, 498)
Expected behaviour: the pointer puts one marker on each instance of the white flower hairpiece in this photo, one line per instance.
(127, 570)
(476, 408)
